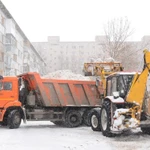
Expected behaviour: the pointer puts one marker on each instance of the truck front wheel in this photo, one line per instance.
(105, 119)
(73, 118)
(14, 119)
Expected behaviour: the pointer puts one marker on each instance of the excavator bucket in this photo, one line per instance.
(98, 68)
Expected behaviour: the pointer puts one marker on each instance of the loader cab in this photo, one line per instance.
(119, 82)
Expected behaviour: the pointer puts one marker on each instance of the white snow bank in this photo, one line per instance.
(44, 135)
(120, 123)
(65, 74)
(108, 59)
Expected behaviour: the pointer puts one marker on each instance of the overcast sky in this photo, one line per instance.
(77, 20)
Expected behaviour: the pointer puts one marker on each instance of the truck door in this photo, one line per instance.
(7, 91)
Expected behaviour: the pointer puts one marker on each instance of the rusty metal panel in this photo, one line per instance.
(55, 92)
(92, 95)
(81, 95)
(66, 94)
(72, 93)
(52, 94)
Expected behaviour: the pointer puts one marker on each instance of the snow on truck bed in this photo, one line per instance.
(66, 74)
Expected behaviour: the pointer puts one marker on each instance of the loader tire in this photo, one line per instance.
(87, 117)
(95, 120)
(14, 119)
(73, 118)
(145, 130)
(105, 119)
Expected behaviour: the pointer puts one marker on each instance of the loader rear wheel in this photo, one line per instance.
(145, 130)
(73, 119)
(95, 120)
(105, 119)
(14, 119)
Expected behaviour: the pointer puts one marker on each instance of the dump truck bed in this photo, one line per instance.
(55, 92)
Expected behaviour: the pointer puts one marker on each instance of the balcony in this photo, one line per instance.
(10, 48)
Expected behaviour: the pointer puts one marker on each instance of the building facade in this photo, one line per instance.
(72, 55)
(68, 55)
(17, 54)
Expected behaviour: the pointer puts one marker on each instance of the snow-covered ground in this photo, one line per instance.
(47, 136)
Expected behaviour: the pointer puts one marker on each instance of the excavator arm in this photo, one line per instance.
(138, 87)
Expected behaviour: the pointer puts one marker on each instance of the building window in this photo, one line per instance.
(1, 57)
(74, 47)
(10, 39)
(15, 57)
(2, 20)
(81, 46)
(26, 68)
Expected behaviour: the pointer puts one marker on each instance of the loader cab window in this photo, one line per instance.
(111, 86)
(124, 83)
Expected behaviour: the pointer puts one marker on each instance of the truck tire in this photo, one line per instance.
(105, 119)
(59, 123)
(87, 117)
(4, 122)
(73, 119)
(145, 130)
(14, 119)
(95, 120)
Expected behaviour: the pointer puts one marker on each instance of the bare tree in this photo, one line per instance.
(117, 31)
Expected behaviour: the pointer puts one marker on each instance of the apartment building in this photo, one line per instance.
(17, 54)
(61, 55)
(68, 55)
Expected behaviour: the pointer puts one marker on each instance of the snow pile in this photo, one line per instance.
(110, 59)
(65, 74)
(98, 60)
(119, 120)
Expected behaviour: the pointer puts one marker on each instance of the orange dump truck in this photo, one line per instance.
(30, 97)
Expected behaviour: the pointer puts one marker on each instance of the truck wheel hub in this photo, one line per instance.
(94, 121)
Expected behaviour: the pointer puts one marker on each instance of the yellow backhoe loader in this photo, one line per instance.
(125, 105)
